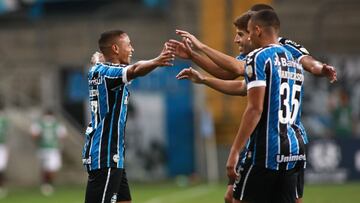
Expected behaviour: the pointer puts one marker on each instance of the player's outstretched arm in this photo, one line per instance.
(231, 87)
(319, 69)
(224, 61)
(249, 121)
(184, 51)
(142, 68)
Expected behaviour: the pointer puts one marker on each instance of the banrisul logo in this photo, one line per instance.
(113, 198)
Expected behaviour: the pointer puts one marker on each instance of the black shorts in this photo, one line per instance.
(108, 185)
(261, 185)
(300, 184)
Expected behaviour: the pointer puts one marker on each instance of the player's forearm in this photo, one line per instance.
(312, 66)
(209, 66)
(230, 87)
(224, 61)
(141, 68)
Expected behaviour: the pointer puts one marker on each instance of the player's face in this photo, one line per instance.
(242, 39)
(254, 34)
(125, 49)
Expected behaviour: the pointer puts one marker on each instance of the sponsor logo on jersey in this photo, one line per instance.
(290, 158)
(95, 81)
(87, 161)
(116, 158)
(249, 71)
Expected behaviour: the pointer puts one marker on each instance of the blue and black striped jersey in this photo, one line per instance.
(277, 142)
(241, 57)
(108, 97)
(297, 50)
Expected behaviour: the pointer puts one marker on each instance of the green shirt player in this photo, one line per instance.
(48, 132)
(3, 151)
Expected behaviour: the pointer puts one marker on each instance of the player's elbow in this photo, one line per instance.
(256, 110)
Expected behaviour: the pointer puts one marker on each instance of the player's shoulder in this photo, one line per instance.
(104, 68)
(265, 51)
(254, 53)
(241, 57)
(287, 42)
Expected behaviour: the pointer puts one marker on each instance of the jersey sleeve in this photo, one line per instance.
(118, 72)
(298, 51)
(255, 71)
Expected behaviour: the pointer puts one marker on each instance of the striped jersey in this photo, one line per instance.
(298, 52)
(277, 142)
(108, 98)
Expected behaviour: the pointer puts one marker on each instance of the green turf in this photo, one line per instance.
(170, 193)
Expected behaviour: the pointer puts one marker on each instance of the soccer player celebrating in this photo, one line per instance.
(272, 117)
(104, 149)
(226, 67)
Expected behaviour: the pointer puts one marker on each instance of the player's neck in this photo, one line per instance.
(110, 59)
(269, 40)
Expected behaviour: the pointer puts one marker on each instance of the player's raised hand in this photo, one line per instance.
(180, 49)
(329, 72)
(166, 56)
(97, 57)
(190, 74)
(230, 166)
(189, 38)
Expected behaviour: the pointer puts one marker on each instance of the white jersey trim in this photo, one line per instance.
(256, 83)
(299, 59)
(124, 75)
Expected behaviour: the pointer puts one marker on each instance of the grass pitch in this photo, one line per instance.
(171, 193)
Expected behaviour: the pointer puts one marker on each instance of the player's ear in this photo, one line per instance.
(115, 48)
(258, 30)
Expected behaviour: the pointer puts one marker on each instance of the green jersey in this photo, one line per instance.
(3, 129)
(49, 131)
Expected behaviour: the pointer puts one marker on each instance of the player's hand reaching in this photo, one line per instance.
(190, 40)
(329, 72)
(230, 165)
(166, 56)
(181, 49)
(191, 74)
(97, 57)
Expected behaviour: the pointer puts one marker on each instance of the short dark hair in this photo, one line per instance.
(107, 38)
(241, 22)
(260, 7)
(266, 18)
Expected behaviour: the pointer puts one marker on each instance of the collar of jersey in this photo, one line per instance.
(113, 64)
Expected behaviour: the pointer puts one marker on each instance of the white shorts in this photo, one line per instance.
(3, 157)
(50, 159)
